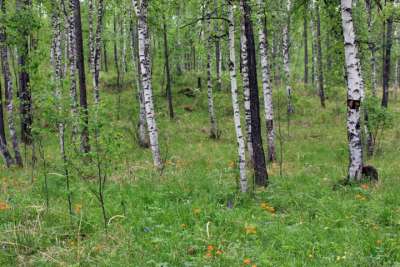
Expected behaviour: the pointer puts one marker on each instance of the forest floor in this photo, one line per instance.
(184, 217)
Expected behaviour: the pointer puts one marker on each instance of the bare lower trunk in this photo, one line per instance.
(286, 59)
(235, 101)
(211, 111)
(355, 93)
(246, 89)
(387, 61)
(371, 46)
(3, 142)
(8, 84)
(259, 164)
(145, 66)
(97, 52)
(85, 146)
(321, 90)
(266, 82)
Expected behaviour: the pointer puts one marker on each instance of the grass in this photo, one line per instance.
(181, 218)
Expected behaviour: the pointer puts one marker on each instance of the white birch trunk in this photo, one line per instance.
(144, 55)
(286, 58)
(355, 93)
(57, 62)
(371, 46)
(91, 35)
(72, 70)
(8, 84)
(235, 101)
(96, 54)
(246, 90)
(266, 83)
(211, 111)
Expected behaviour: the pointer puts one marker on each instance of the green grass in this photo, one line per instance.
(158, 220)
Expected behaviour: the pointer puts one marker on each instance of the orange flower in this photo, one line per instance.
(4, 206)
(253, 265)
(219, 252)
(246, 261)
(365, 186)
(208, 255)
(210, 248)
(267, 207)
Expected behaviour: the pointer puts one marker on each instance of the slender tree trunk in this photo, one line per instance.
(305, 40)
(3, 142)
(371, 47)
(213, 120)
(72, 65)
(218, 63)
(313, 49)
(96, 53)
(266, 81)
(387, 63)
(105, 57)
(85, 146)
(235, 101)
(142, 126)
(355, 93)
(321, 90)
(24, 83)
(286, 58)
(8, 84)
(117, 66)
(166, 55)
(145, 66)
(246, 88)
(260, 168)
(91, 35)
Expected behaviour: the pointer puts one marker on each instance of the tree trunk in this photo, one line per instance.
(211, 112)
(141, 129)
(3, 142)
(371, 47)
(313, 50)
(235, 101)
(305, 40)
(97, 51)
(218, 62)
(166, 55)
(8, 86)
(105, 57)
(286, 58)
(321, 90)
(145, 66)
(246, 88)
(266, 81)
(91, 35)
(386, 62)
(260, 168)
(24, 83)
(80, 61)
(355, 93)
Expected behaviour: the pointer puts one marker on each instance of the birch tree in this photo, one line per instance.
(320, 73)
(259, 165)
(266, 81)
(3, 142)
(8, 84)
(141, 9)
(235, 101)
(286, 57)
(246, 86)
(355, 92)
(371, 46)
(96, 53)
(211, 112)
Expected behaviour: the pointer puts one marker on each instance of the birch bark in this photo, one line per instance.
(144, 45)
(266, 81)
(235, 101)
(286, 58)
(355, 92)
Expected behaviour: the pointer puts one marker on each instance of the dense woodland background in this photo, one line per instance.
(199, 133)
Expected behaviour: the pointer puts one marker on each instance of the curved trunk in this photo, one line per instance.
(235, 101)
